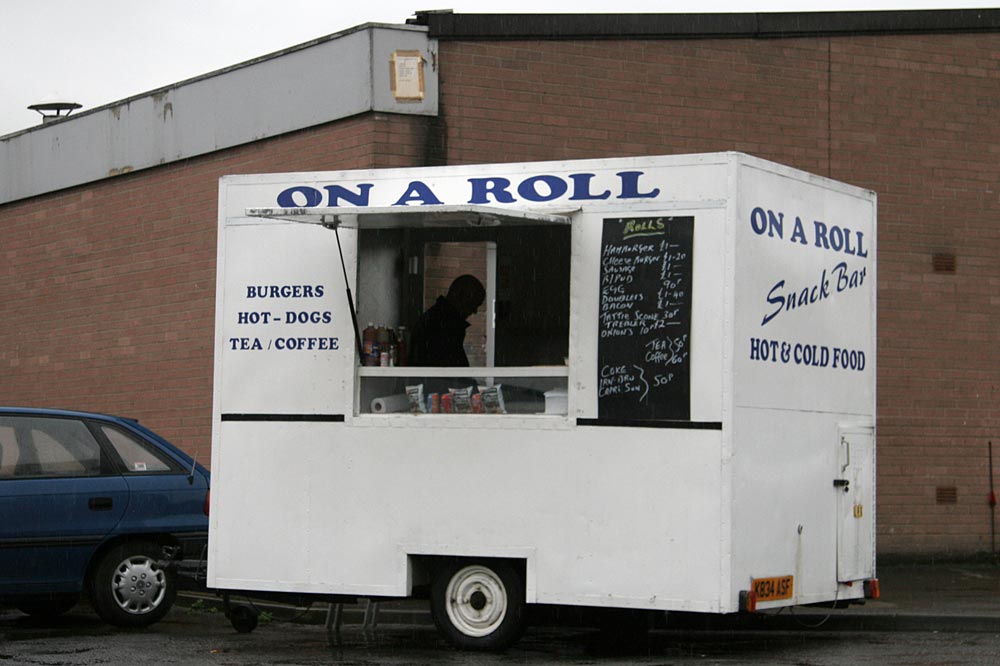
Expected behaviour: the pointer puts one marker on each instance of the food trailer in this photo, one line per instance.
(669, 403)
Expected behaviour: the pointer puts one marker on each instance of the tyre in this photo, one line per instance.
(129, 588)
(48, 607)
(479, 605)
(243, 618)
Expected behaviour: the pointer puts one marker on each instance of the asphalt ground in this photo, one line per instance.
(915, 596)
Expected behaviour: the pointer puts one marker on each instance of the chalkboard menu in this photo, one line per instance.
(645, 319)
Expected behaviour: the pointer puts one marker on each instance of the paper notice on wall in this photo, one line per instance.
(407, 76)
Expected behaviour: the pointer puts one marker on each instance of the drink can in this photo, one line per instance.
(446, 406)
(434, 403)
(477, 403)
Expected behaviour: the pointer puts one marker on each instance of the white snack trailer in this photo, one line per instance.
(675, 363)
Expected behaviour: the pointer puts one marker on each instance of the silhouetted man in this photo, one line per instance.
(438, 339)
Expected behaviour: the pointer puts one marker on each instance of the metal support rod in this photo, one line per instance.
(350, 299)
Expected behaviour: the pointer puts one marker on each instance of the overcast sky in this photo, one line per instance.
(94, 52)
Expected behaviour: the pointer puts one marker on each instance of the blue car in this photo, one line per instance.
(97, 506)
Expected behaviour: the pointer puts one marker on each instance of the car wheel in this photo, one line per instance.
(129, 588)
(479, 605)
(48, 607)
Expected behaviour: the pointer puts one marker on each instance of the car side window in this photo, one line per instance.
(40, 447)
(8, 451)
(138, 456)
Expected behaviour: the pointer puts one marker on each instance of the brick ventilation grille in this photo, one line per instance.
(946, 495)
(944, 262)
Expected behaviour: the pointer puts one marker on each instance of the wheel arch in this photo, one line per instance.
(158, 538)
(423, 569)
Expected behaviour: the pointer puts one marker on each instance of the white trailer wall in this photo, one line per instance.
(805, 294)
(310, 494)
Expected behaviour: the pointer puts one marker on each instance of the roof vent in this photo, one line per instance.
(53, 109)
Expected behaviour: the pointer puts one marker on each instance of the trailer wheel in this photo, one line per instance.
(243, 618)
(479, 605)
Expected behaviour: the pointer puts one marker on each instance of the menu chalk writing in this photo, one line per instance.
(645, 319)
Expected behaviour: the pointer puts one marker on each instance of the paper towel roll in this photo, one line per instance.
(391, 403)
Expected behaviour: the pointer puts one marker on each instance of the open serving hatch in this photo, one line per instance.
(407, 256)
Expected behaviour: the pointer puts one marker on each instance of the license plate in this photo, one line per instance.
(773, 589)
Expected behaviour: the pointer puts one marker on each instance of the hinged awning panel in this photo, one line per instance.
(423, 217)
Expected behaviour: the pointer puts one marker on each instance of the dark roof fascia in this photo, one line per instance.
(445, 25)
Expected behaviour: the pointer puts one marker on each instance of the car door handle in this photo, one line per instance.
(100, 503)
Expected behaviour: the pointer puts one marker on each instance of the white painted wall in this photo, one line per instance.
(322, 81)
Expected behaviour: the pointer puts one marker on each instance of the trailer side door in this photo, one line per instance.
(855, 487)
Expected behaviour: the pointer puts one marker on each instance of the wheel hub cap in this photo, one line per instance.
(138, 585)
(476, 601)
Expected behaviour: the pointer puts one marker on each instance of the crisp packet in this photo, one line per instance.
(415, 394)
(493, 400)
(461, 400)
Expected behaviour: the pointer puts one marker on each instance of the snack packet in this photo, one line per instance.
(415, 394)
(493, 400)
(461, 400)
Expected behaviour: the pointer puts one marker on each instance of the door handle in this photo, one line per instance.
(100, 503)
(842, 483)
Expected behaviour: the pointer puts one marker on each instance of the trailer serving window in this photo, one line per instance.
(517, 342)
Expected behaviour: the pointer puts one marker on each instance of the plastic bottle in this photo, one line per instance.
(369, 346)
(384, 343)
(393, 348)
(401, 346)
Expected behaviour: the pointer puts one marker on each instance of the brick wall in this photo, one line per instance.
(108, 290)
(913, 117)
(916, 121)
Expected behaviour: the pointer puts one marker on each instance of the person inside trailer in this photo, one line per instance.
(438, 339)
